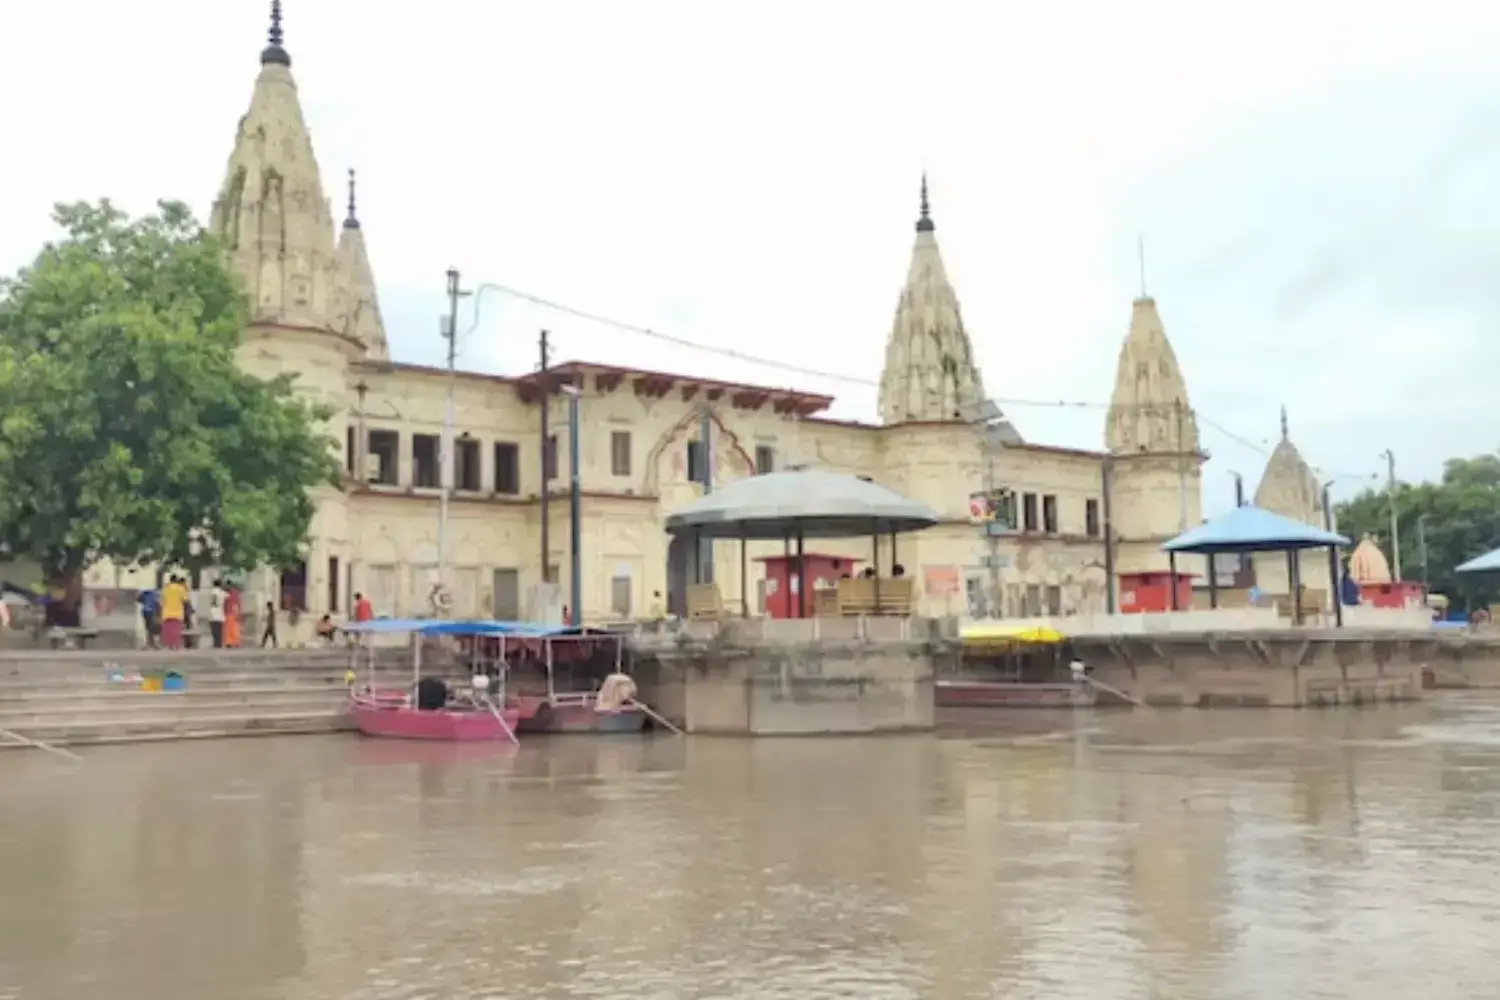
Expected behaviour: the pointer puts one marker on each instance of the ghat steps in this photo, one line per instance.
(68, 698)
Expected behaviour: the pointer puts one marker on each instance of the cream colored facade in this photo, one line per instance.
(316, 314)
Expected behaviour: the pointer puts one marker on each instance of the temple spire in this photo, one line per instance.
(351, 221)
(930, 373)
(1285, 436)
(924, 221)
(274, 54)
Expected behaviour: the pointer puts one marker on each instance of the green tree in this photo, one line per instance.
(127, 430)
(1448, 522)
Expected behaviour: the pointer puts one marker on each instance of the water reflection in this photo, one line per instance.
(1105, 855)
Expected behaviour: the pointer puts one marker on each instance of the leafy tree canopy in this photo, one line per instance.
(1442, 525)
(127, 431)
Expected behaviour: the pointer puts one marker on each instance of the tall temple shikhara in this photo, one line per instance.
(930, 372)
(316, 314)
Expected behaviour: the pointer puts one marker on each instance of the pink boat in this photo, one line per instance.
(392, 716)
(575, 713)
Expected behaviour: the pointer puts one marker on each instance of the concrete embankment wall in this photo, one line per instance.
(68, 697)
(1283, 668)
(769, 678)
(1467, 660)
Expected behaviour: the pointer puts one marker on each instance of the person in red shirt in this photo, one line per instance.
(362, 610)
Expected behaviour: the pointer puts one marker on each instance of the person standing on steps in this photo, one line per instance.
(174, 601)
(216, 613)
(150, 602)
(268, 634)
(232, 611)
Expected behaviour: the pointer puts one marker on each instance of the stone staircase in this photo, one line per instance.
(68, 698)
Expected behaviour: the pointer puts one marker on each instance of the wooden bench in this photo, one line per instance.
(1229, 597)
(1313, 604)
(704, 601)
(864, 596)
(71, 638)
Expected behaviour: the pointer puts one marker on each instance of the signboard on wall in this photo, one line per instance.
(940, 581)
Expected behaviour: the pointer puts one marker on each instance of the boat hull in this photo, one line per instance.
(541, 716)
(997, 694)
(380, 717)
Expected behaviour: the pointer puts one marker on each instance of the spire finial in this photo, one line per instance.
(352, 220)
(924, 222)
(274, 54)
(1284, 434)
(1140, 254)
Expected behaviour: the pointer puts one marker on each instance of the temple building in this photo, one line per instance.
(1289, 488)
(315, 313)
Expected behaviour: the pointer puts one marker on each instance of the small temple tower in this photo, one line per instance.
(1289, 488)
(1368, 565)
(929, 372)
(357, 307)
(1151, 433)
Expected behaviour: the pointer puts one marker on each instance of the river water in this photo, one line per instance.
(1176, 855)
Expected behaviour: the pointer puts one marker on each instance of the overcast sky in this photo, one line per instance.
(1318, 184)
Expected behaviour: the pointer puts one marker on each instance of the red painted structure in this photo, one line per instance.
(1151, 593)
(1401, 594)
(782, 580)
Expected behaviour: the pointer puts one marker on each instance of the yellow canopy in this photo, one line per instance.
(1037, 634)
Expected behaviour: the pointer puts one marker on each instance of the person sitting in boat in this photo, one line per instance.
(617, 691)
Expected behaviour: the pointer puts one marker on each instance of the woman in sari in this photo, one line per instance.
(232, 618)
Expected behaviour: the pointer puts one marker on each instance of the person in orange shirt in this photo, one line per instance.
(232, 609)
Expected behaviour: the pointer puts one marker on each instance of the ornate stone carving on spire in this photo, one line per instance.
(357, 308)
(1149, 410)
(929, 362)
(274, 53)
(1288, 486)
(270, 211)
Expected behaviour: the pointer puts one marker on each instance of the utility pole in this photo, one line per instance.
(988, 422)
(1390, 472)
(445, 449)
(1242, 560)
(575, 508)
(1335, 588)
(545, 381)
(705, 448)
(1422, 549)
(1107, 475)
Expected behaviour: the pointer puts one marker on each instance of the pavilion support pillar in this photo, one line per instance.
(1172, 570)
(1294, 581)
(1335, 586)
(801, 577)
(744, 573)
(1213, 583)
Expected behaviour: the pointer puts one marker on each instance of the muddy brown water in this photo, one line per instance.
(1103, 855)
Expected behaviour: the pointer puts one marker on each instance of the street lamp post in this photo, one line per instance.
(1390, 475)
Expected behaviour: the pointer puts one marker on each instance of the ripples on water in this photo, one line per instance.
(1179, 855)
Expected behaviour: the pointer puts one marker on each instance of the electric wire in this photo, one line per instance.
(808, 372)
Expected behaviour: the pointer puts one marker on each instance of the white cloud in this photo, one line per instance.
(1314, 180)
